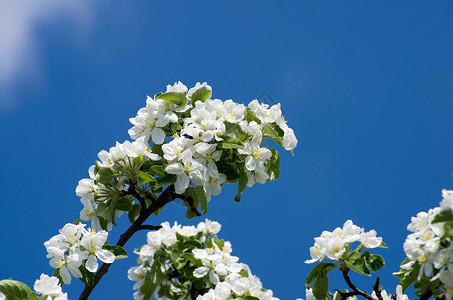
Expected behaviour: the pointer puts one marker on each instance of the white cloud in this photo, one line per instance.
(19, 47)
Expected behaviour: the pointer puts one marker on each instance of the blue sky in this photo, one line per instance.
(367, 87)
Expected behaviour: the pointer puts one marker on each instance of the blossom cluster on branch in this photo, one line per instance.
(198, 145)
(187, 145)
(184, 145)
(429, 251)
(182, 261)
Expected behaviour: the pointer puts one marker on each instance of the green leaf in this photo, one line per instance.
(190, 257)
(199, 197)
(175, 127)
(87, 276)
(317, 269)
(145, 178)
(235, 129)
(273, 169)
(321, 286)
(273, 131)
(337, 295)
(174, 97)
(251, 298)
(14, 290)
(34, 296)
(134, 212)
(382, 245)
(175, 254)
(118, 251)
(156, 170)
(229, 143)
(157, 149)
(201, 94)
(124, 204)
(359, 266)
(375, 262)
(241, 185)
(250, 116)
(103, 210)
(411, 277)
(166, 180)
(56, 273)
(105, 175)
(443, 216)
(194, 243)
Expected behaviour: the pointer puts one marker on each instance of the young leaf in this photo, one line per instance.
(156, 170)
(87, 276)
(250, 116)
(273, 165)
(145, 178)
(411, 277)
(14, 290)
(118, 251)
(166, 180)
(124, 204)
(375, 262)
(443, 216)
(177, 98)
(198, 195)
(359, 266)
(201, 95)
(230, 143)
(134, 212)
(274, 132)
(320, 267)
(104, 175)
(321, 285)
(241, 185)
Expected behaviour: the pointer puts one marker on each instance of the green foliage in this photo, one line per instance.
(201, 95)
(118, 251)
(199, 199)
(241, 185)
(144, 177)
(16, 290)
(174, 97)
(273, 165)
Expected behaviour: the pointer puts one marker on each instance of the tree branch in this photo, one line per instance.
(189, 201)
(133, 192)
(376, 288)
(165, 197)
(149, 227)
(357, 292)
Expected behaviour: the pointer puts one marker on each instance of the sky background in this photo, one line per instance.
(367, 87)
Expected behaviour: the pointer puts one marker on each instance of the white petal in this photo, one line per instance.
(158, 136)
(105, 256)
(64, 273)
(91, 264)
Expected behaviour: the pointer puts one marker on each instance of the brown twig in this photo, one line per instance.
(356, 291)
(165, 197)
(377, 289)
(149, 227)
(189, 201)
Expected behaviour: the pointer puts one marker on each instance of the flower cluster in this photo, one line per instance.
(397, 296)
(76, 250)
(49, 288)
(179, 261)
(121, 163)
(208, 127)
(185, 139)
(429, 249)
(333, 245)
